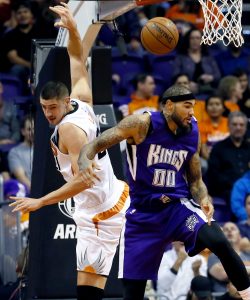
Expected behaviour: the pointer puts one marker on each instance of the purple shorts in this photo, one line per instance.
(146, 236)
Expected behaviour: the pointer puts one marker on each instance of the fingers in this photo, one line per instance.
(59, 8)
(64, 4)
(60, 24)
(209, 215)
(20, 207)
(96, 177)
(96, 166)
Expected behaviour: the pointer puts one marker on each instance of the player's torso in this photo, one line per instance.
(84, 118)
(157, 166)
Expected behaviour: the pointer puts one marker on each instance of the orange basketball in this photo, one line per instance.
(159, 35)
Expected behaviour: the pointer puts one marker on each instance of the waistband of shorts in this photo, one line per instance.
(158, 206)
(111, 201)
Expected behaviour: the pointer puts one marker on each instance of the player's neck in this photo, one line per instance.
(171, 124)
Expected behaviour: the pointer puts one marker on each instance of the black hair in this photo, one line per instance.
(140, 78)
(19, 4)
(54, 89)
(186, 43)
(214, 96)
(226, 111)
(174, 78)
(239, 72)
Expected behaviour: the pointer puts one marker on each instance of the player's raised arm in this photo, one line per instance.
(132, 128)
(78, 52)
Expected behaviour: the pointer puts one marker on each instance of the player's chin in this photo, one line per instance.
(187, 124)
(52, 121)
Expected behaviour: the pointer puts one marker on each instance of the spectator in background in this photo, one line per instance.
(229, 159)
(182, 79)
(9, 126)
(195, 61)
(244, 226)
(20, 157)
(131, 23)
(184, 13)
(176, 272)
(244, 103)
(134, 47)
(143, 98)
(200, 289)
(216, 271)
(231, 92)
(240, 193)
(214, 128)
(233, 58)
(4, 14)
(199, 108)
(17, 42)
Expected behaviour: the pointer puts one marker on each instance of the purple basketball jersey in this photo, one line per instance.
(157, 166)
(157, 169)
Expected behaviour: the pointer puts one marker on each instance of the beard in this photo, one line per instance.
(176, 118)
(24, 26)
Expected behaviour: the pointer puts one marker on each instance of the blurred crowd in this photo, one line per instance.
(217, 75)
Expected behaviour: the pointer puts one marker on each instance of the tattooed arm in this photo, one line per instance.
(198, 188)
(132, 128)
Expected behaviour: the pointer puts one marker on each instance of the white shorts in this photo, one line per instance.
(98, 235)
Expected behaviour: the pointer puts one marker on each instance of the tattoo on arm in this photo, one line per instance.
(132, 127)
(198, 188)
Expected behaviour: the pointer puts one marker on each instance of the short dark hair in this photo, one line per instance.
(174, 79)
(214, 96)
(54, 89)
(175, 90)
(140, 78)
(226, 110)
(239, 72)
(20, 4)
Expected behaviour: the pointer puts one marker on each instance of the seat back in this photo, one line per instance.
(12, 86)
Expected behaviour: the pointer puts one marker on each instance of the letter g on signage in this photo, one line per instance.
(102, 119)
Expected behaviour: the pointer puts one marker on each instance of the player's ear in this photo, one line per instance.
(169, 105)
(67, 100)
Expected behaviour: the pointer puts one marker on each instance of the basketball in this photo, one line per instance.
(159, 35)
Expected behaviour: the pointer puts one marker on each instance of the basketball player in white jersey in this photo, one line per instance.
(99, 206)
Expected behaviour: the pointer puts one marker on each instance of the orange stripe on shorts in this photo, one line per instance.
(113, 210)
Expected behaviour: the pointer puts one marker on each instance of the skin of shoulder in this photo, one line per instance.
(71, 140)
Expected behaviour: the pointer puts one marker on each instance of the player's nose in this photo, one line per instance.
(191, 112)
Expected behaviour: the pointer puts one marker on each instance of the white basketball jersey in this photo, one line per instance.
(109, 187)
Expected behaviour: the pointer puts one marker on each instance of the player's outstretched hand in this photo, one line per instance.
(24, 204)
(66, 18)
(208, 209)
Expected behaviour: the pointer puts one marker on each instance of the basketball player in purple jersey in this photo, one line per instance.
(169, 200)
